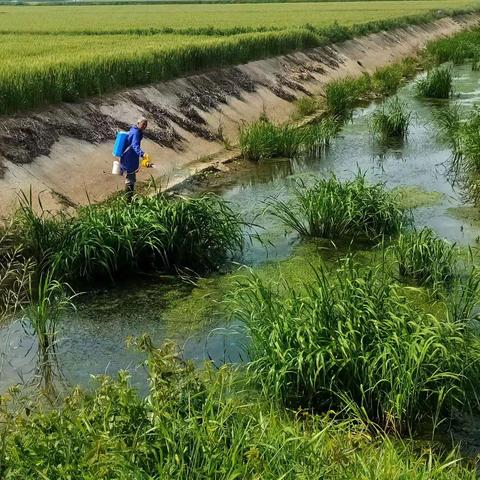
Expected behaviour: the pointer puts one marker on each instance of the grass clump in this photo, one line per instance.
(437, 84)
(386, 80)
(265, 139)
(350, 340)
(425, 258)
(331, 208)
(15, 272)
(157, 232)
(198, 425)
(307, 106)
(448, 121)
(341, 96)
(391, 121)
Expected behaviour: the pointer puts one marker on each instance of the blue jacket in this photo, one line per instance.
(130, 160)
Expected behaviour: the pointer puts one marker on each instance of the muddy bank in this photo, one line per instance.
(65, 151)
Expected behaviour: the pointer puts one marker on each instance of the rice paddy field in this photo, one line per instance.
(127, 18)
(61, 53)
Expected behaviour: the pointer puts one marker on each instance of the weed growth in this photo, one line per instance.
(157, 232)
(332, 209)
(391, 121)
(425, 258)
(350, 340)
(264, 139)
(436, 84)
(195, 425)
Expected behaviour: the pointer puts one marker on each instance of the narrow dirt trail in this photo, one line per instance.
(64, 152)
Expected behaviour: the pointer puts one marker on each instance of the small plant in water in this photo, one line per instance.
(425, 258)
(49, 300)
(436, 84)
(331, 208)
(391, 121)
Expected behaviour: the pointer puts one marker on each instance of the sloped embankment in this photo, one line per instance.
(65, 151)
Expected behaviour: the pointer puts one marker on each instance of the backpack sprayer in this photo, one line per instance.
(119, 149)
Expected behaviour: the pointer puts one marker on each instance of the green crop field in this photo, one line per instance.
(105, 18)
(61, 53)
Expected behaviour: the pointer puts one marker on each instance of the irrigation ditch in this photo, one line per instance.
(338, 272)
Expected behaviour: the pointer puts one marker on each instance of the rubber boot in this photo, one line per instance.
(129, 188)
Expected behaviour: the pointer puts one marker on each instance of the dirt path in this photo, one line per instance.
(65, 151)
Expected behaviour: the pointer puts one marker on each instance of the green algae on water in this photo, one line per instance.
(416, 196)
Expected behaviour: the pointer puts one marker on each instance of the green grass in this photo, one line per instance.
(307, 106)
(264, 139)
(54, 54)
(425, 258)
(109, 239)
(201, 425)
(386, 80)
(459, 130)
(458, 49)
(350, 340)
(447, 121)
(391, 121)
(331, 208)
(437, 83)
(15, 271)
(342, 96)
(49, 300)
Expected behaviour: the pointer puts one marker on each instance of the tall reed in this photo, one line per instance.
(331, 208)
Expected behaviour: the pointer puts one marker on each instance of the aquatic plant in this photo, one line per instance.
(49, 299)
(425, 258)
(391, 121)
(264, 139)
(447, 121)
(436, 84)
(200, 424)
(351, 341)
(462, 300)
(457, 49)
(158, 232)
(331, 208)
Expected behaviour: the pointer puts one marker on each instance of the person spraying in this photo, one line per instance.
(130, 159)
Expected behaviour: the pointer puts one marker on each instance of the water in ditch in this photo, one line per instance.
(92, 340)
